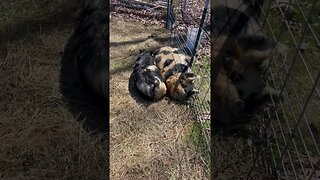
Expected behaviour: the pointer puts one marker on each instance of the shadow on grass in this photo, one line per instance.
(124, 43)
(134, 54)
(121, 69)
(32, 26)
(86, 106)
(157, 37)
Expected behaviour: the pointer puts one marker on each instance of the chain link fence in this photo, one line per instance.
(189, 25)
(294, 138)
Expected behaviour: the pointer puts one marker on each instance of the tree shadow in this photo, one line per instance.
(129, 66)
(136, 41)
(159, 37)
(121, 69)
(32, 26)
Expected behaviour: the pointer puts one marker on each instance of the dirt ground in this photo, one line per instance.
(147, 140)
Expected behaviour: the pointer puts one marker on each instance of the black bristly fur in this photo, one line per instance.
(84, 71)
(142, 74)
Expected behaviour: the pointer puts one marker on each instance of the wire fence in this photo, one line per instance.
(295, 139)
(146, 12)
(189, 24)
(283, 142)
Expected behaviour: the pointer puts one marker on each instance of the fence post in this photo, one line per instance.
(196, 44)
(170, 15)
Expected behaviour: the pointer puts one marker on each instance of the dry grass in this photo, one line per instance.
(40, 139)
(146, 141)
(236, 156)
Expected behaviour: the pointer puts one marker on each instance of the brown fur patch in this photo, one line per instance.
(160, 90)
(177, 88)
(225, 90)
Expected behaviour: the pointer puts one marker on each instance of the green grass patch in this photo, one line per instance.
(202, 69)
(198, 139)
(201, 105)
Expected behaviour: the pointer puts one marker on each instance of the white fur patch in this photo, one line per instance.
(152, 68)
(157, 78)
(144, 88)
